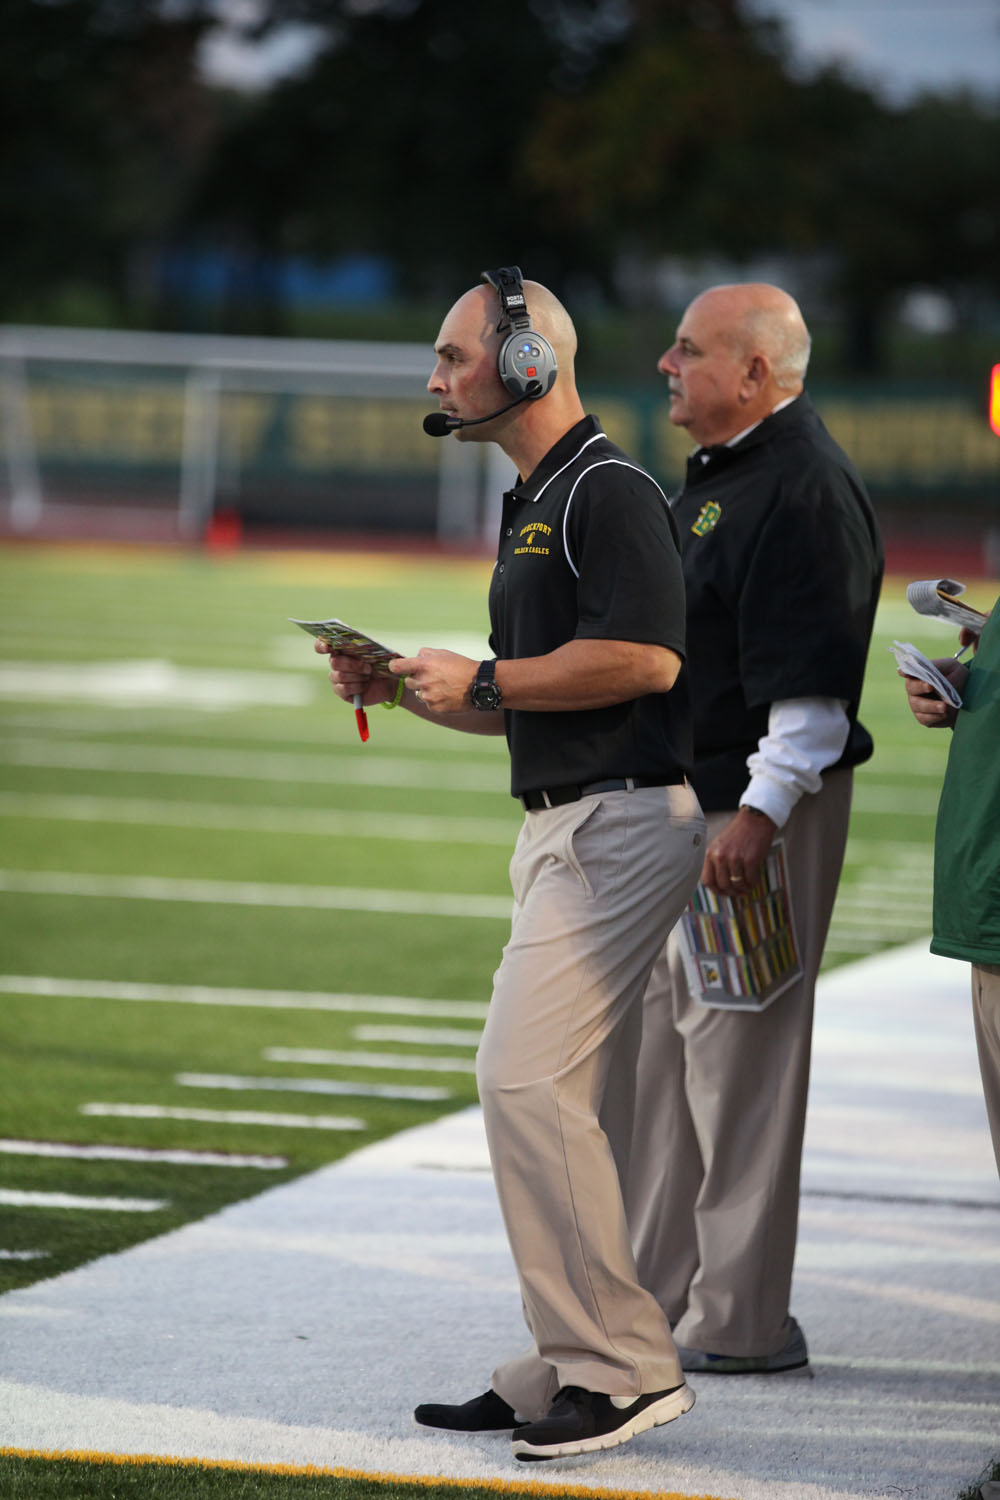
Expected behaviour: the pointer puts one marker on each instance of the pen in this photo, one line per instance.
(360, 716)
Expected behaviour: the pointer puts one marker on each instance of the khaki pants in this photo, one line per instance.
(597, 886)
(712, 1165)
(986, 1016)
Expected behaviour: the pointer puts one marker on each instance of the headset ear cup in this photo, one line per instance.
(527, 360)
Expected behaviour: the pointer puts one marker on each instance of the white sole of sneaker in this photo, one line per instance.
(657, 1415)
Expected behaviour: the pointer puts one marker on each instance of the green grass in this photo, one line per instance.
(60, 1479)
(166, 778)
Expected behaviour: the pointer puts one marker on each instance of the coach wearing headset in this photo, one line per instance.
(587, 626)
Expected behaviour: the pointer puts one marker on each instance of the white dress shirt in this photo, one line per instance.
(804, 736)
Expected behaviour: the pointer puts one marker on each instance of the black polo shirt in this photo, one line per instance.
(782, 569)
(588, 550)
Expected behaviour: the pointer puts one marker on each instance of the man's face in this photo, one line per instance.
(465, 379)
(706, 373)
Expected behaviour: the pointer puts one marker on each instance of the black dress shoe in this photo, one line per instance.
(486, 1413)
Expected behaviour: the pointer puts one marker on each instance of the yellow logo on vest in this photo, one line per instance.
(708, 518)
(531, 539)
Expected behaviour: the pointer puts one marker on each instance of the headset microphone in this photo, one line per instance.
(439, 423)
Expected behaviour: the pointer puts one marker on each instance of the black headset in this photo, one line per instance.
(527, 363)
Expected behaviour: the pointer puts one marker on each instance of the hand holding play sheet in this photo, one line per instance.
(913, 662)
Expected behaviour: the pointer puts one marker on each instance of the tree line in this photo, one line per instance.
(567, 135)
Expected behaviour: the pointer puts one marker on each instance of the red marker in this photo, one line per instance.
(360, 716)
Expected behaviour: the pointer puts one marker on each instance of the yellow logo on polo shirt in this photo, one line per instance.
(708, 518)
(531, 539)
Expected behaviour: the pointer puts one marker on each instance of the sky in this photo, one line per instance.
(897, 47)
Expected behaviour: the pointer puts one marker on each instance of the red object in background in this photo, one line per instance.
(224, 532)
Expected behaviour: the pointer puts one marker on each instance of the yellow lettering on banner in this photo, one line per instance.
(905, 442)
(152, 423)
(621, 423)
(139, 423)
(243, 420)
(673, 444)
(927, 442)
(348, 432)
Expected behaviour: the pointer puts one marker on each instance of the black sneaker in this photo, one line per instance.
(586, 1421)
(486, 1413)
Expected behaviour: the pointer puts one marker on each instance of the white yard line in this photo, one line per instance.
(155, 682)
(242, 817)
(190, 994)
(14, 1198)
(392, 1061)
(440, 1036)
(282, 729)
(423, 1093)
(254, 765)
(245, 893)
(65, 1149)
(222, 1116)
(890, 797)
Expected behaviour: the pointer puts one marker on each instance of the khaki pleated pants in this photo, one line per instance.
(986, 1016)
(712, 1163)
(597, 886)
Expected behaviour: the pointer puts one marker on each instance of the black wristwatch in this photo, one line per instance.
(485, 690)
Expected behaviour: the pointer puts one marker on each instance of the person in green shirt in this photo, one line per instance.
(967, 838)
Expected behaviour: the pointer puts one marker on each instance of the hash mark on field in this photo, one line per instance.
(223, 1116)
(25, 1254)
(378, 1060)
(199, 994)
(441, 1036)
(178, 1158)
(423, 1092)
(15, 1198)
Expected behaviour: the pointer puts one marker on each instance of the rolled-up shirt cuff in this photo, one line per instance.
(804, 737)
(774, 798)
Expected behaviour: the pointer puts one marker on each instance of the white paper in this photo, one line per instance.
(911, 660)
(938, 597)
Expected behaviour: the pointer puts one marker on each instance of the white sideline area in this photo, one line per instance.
(300, 1327)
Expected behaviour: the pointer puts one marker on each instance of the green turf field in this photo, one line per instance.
(230, 927)
(238, 939)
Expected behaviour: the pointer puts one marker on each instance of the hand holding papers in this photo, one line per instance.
(346, 641)
(740, 952)
(914, 663)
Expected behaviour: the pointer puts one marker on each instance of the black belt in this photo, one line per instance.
(558, 796)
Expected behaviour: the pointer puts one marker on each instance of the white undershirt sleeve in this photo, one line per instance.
(804, 736)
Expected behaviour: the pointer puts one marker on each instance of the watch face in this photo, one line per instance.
(486, 695)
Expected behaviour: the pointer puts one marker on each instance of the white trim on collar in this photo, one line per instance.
(595, 439)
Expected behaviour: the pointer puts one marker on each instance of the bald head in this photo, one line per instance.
(740, 350)
(763, 319)
(479, 309)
